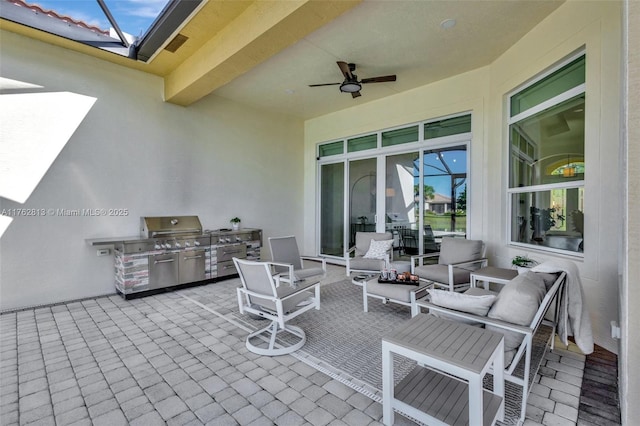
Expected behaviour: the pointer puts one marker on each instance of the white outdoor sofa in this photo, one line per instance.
(515, 351)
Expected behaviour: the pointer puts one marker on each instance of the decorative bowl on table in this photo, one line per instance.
(402, 278)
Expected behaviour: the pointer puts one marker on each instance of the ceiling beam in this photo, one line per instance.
(262, 30)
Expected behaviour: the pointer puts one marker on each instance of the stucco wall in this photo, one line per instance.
(215, 159)
(575, 24)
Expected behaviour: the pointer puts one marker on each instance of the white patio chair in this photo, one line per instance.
(262, 295)
(285, 250)
(457, 259)
(360, 262)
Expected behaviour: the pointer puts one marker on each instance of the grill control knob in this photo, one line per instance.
(228, 240)
(196, 243)
(221, 240)
(157, 246)
(177, 245)
(167, 245)
(186, 244)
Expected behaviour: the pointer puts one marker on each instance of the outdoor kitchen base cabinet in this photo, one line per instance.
(166, 270)
(191, 266)
(163, 270)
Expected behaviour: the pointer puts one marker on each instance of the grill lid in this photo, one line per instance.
(151, 227)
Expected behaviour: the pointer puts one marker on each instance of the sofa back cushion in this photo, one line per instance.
(456, 250)
(517, 303)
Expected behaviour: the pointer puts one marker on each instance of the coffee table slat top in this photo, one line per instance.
(459, 344)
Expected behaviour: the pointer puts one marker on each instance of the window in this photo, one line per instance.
(400, 136)
(547, 164)
(361, 143)
(333, 148)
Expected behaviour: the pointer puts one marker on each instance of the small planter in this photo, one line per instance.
(523, 263)
(235, 223)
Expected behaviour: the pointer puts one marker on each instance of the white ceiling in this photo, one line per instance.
(386, 37)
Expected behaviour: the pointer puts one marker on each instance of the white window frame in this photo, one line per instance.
(574, 184)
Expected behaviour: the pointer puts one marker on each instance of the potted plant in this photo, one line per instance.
(541, 221)
(523, 263)
(235, 223)
(362, 219)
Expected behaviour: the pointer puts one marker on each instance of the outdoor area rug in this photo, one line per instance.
(342, 340)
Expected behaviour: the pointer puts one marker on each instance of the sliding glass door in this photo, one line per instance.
(410, 181)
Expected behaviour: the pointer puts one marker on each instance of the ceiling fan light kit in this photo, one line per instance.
(350, 86)
(351, 83)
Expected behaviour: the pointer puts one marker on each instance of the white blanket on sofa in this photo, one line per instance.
(574, 318)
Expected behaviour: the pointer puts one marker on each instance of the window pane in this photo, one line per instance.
(549, 218)
(400, 136)
(447, 127)
(332, 209)
(549, 147)
(401, 204)
(333, 148)
(362, 197)
(362, 143)
(445, 192)
(567, 77)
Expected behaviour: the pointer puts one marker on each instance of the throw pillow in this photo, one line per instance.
(472, 304)
(378, 249)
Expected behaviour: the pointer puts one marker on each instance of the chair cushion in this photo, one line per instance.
(477, 303)
(305, 273)
(363, 240)
(517, 303)
(397, 292)
(455, 250)
(440, 274)
(378, 249)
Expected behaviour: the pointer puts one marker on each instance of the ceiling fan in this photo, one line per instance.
(351, 83)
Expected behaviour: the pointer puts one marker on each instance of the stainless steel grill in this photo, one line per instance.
(169, 226)
(182, 258)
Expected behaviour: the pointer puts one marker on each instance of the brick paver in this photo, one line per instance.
(164, 360)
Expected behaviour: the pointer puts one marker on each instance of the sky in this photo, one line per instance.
(133, 16)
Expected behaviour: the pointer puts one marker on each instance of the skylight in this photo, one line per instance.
(134, 17)
(132, 28)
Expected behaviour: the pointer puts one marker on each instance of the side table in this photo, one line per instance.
(491, 274)
(444, 348)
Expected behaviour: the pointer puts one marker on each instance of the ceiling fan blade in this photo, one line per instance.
(344, 67)
(324, 84)
(355, 94)
(380, 79)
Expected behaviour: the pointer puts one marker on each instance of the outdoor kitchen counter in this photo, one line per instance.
(148, 264)
(110, 241)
